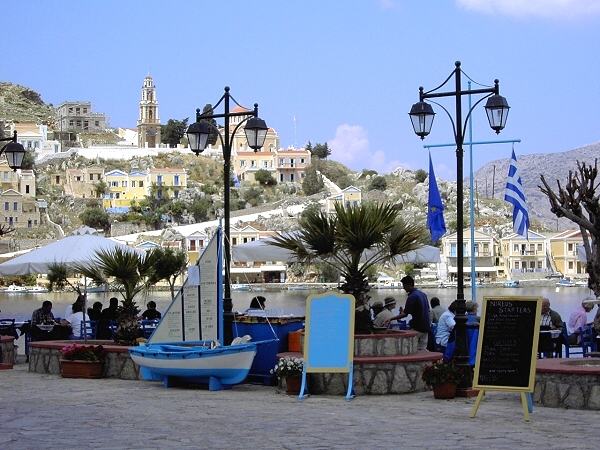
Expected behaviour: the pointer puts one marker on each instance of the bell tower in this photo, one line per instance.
(148, 124)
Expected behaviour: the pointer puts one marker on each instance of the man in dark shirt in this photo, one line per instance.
(151, 313)
(43, 315)
(418, 308)
(108, 314)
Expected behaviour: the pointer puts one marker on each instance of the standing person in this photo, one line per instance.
(151, 313)
(436, 309)
(445, 326)
(417, 306)
(109, 314)
(471, 310)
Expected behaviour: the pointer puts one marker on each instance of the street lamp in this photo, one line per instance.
(198, 135)
(421, 115)
(14, 152)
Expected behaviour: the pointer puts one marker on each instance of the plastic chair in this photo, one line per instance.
(7, 328)
(148, 327)
(588, 341)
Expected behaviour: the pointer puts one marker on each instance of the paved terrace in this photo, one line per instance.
(46, 411)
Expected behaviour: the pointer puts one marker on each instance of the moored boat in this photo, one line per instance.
(565, 282)
(511, 284)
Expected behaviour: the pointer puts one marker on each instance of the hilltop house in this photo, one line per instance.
(564, 253)
(485, 254)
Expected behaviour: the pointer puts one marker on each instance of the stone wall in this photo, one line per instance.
(44, 357)
(567, 390)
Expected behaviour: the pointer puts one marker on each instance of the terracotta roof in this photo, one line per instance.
(238, 109)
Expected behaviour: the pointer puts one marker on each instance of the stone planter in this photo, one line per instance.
(444, 391)
(81, 369)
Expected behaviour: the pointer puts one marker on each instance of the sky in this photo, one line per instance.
(345, 73)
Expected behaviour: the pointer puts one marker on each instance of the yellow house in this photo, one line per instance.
(486, 258)
(117, 183)
(138, 186)
(9, 179)
(168, 181)
(525, 258)
(18, 210)
(564, 253)
(81, 183)
(351, 196)
(195, 243)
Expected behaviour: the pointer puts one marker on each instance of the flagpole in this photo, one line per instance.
(471, 205)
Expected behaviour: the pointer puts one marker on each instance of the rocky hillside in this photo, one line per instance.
(21, 104)
(554, 166)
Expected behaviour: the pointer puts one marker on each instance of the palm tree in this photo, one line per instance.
(353, 240)
(169, 265)
(130, 273)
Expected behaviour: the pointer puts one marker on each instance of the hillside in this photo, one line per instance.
(21, 104)
(554, 166)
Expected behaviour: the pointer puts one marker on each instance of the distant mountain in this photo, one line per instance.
(554, 166)
(21, 104)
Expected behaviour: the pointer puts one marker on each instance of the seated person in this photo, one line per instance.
(71, 308)
(436, 309)
(550, 320)
(578, 320)
(43, 315)
(445, 326)
(257, 306)
(108, 314)
(75, 320)
(95, 312)
(383, 318)
(151, 313)
(376, 308)
(472, 317)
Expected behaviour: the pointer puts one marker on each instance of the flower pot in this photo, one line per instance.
(81, 369)
(444, 391)
(6, 366)
(292, 385)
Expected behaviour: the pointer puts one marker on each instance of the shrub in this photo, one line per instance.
(288, 367)
(75, 352)
(440, 373)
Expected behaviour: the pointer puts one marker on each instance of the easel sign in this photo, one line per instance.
(507, 347)
(329, 337)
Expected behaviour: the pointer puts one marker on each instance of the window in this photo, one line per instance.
(159, 179)
(234, 241)
(245, 240)
(570, 265)
(97, 123)
(71, 110)
(77, 178)
(516, 264)
(176, 180)
(193, 245)
(570, 247)
(85, 110)
(292, 162)
(77, 110)
(301, 160)
(27, 189)
(15, 206)
(36, 144)
(71, 123)
(29, 223)
(79, 123)
(6, 206)
(141, 184)
(132, 183)
(57, 179)
(516, 248)
(253, 163)
(532, 264)
(124, 183)
(453, 250)
(291, 177)
(242, 163)
(265, 164)
(114, 183)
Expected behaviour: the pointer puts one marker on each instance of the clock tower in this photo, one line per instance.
(148, 124)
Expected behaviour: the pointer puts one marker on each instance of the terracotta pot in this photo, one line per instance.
(81, 369)
(292, 385)
(6, 366)
(444, 391)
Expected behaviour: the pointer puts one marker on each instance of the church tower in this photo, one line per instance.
(148, 124)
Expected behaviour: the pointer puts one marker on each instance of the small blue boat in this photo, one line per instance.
(511, 284)
(566, 282)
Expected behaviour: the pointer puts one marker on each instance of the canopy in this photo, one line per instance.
(263, 251)
(79, 249)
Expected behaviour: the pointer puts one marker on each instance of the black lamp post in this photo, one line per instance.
(198, 135)
(14, 152)
(421, 115)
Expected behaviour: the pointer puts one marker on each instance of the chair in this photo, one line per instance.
(148, 327)
(7, 328)
(586, 342)
(90, 329)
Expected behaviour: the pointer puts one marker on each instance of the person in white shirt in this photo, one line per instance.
(445, 326)
(383, 318)
(75, 320)
(71, 308)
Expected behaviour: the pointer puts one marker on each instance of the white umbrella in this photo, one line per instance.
(79, 249)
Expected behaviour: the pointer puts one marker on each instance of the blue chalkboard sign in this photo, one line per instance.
(329, 336)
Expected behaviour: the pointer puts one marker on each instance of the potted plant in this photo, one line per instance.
(290, 369)
(443, 378)
(82, 361)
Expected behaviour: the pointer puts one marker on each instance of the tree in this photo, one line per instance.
(169, 265)
(252, 196)
(308, 147)
(263, 176)
(352, 241)
(378, 183)
(129, 273)
(95, 217)
(420, 175)
(173, 131)
(28, 161)
(321, 151)
(200, 208)
(579, 201)
(214, 134)
(100, 188)
(176, 210)
(312, 182)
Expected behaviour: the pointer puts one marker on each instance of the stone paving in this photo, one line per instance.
(47, 411)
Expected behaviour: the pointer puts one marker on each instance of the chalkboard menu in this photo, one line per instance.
(507, 346)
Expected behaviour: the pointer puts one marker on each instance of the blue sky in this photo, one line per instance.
(347, 71)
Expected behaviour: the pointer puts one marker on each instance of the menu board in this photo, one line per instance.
(329, 336)
(191, 314)
(507, 346)
(209, 284)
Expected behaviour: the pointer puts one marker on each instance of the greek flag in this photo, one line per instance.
(515, 195)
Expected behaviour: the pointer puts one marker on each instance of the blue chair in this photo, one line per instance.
(90, 329)
(148, 327)
(7, 328)
(586, 342)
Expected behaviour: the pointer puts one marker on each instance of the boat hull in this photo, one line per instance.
(220, 367)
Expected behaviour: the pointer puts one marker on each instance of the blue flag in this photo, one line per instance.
(435, 208)
(515, 195)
